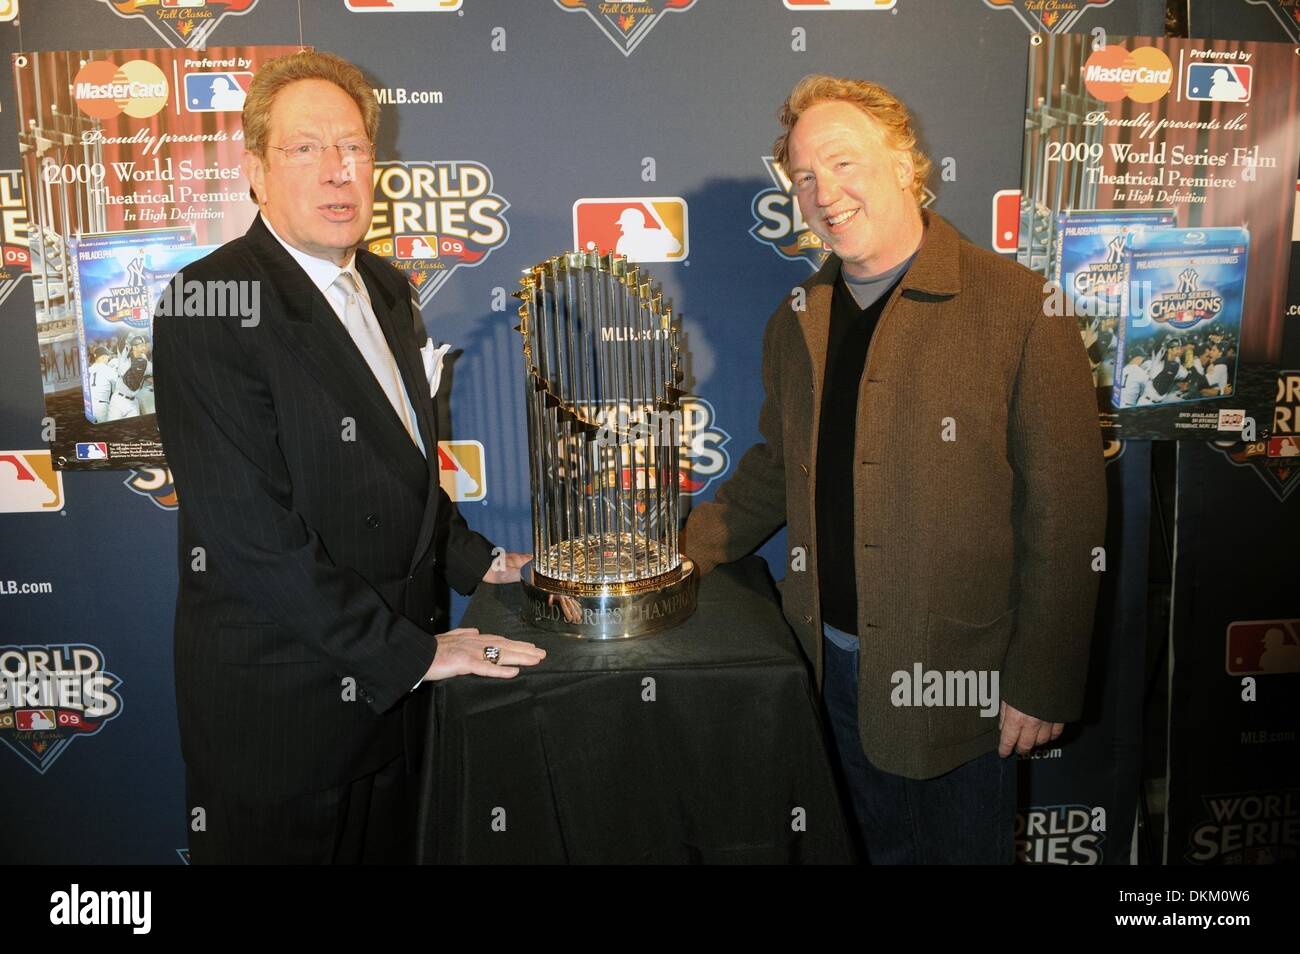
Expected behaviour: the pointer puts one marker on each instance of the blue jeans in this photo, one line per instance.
(966, 816)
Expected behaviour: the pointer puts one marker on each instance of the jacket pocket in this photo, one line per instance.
(968, 658)
(261, 644)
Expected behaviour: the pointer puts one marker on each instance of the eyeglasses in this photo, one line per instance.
(310, 153)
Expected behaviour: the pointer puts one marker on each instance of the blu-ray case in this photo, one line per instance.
(1182, 344)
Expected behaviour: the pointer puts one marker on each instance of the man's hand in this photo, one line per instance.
(1022, 732)
(510, 574)
(460, 653)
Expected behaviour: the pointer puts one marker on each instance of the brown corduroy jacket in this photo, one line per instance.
(972, 553)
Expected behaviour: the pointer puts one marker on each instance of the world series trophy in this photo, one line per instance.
(604, 423)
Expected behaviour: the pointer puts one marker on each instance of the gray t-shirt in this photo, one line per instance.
(866, 291)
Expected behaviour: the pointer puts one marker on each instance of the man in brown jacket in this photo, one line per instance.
(930, 440)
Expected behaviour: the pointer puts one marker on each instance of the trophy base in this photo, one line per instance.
(614, 611)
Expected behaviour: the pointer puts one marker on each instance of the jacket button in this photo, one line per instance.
(410, 579)
(807, 619)
(804, 468)
(372, 521)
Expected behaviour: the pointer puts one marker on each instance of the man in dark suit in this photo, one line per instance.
(313, 533)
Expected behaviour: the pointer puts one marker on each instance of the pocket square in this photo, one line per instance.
(433, 363)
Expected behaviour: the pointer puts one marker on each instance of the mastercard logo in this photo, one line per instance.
(104, 90)
(1143, 75)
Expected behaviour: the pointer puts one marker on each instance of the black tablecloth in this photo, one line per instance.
(699, 744)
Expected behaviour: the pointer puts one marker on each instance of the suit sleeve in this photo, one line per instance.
(750, 506)
(1059, 516)
(467, 555)
(219, 427)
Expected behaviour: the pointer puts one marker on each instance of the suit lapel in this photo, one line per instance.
(313, 333)
(814, 323)
(394, 316)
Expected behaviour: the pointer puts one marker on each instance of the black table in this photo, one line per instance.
(700, 744)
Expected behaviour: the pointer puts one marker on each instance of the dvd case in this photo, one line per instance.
(1182, 344)
(119, 277)
(1089, 266)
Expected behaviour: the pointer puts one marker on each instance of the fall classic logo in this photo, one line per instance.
(626, 24)
(1047, 16)
(187, 23)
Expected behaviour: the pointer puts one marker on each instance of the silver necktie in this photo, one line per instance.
(369, 337)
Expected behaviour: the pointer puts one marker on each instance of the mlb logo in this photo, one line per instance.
(417, 246)
(1006, 220)
(92, 450)
(216, 92)
(403, 6)
(1227, 82)
(29, 483)
(34, 720)
(1261, 647)
(643, 229)
(1288, 446)
(460, 470)
(840, 4)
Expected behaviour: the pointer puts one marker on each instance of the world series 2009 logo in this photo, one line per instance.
(52, 695)
(779, 223)
(154, 483)
(1061, 835)
(181, 22)
(1275, 459)
(15, 257)
(1246, 828)
(432, 217)
(704, 455)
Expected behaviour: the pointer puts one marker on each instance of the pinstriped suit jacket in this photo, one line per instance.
(322, 558)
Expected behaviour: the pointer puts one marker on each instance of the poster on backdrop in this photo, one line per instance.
(131, 170)
(1234, 758)
(1157, 187)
